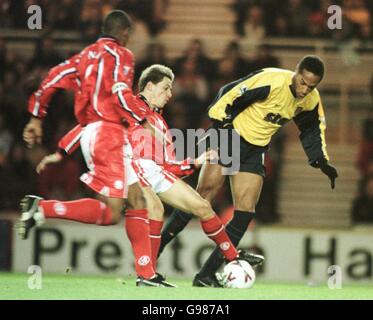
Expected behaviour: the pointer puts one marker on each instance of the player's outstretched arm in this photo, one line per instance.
(33, 132)
(51, 158)
(329, 171)
(312, 126)
(67, 145)
(62, 76)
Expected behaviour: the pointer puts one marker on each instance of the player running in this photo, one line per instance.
(255, 107)
(160, 169)
(101, 76)
(155, 85)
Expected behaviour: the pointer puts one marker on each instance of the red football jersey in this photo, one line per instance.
(143, 143)
(106, 70)
(101, 76)
(62, 76)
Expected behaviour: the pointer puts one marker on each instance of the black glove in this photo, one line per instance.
(227, 121)
(331, 172)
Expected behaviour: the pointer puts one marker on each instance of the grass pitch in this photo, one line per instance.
(76, 287)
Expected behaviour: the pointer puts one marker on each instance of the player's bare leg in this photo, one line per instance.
(245, 189)
(185, 198)
(153, 204)
(209, 183)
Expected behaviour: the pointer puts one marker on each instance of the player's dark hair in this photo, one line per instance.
(312, 64)
(155, 74)
(115, 22)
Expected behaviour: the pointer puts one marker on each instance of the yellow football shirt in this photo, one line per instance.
(261, 103)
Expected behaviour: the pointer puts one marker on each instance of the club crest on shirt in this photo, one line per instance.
(126, 70)
(243, 89)
(93, 55)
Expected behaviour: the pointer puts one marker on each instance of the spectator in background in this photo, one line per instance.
(64, 15)
(90, 20)
(233, 53)
(317, 24)
(176, 114)
(356, 21)
(263, 59)
(46, 54)
(190, 81)
(16, 178)
(240, 8)
(365, 154)
(154, 54)
(3, 51)
(12, 102)
(280, 26)
(297, 14)
(152, 13)
(6, 17)
(191, 89)
(6, 140)
(255, 29)
(195, 53)
(226, 73)
(362, 208)
(140, 37)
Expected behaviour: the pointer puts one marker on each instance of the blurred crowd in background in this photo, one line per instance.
(362, 208)
(298, 18)
(198, 78)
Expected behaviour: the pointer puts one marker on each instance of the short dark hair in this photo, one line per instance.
(312, 64)
(155, 74)
(115, 22)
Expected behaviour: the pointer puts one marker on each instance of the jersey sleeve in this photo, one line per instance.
(312, 126)
(120, 84)
(71, 140)
(62, 76)
(247, 98)
(235, 97)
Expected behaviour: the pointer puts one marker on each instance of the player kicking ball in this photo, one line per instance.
(256, 107)
(155, 86)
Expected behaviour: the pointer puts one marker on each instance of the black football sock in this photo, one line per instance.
(235, 229)
(175, 224)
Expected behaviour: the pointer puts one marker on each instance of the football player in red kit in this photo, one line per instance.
(157, 165)
(102, 76)
(107, 109)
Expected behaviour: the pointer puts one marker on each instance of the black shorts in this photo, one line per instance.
(240, 156)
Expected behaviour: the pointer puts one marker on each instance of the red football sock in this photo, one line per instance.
(215, 230)
(137, 227)
(155, 238)
(84, 210)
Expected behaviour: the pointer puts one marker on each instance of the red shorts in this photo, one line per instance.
(108, 156)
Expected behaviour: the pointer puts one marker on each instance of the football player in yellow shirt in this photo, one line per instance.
(255, 107)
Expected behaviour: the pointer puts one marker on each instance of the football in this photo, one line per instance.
(237, 274)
